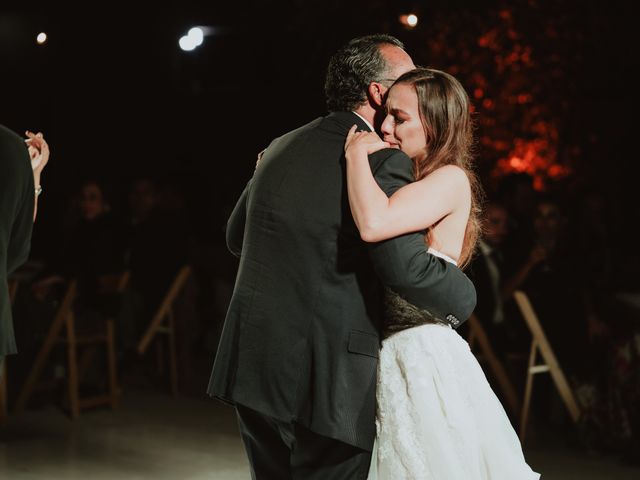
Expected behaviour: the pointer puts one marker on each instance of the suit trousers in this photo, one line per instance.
(280, 450)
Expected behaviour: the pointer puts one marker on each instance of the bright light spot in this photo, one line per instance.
(187, 43)
(192, 39)
(517, 163)
(41, 38)
(409, 20)
(197, 34)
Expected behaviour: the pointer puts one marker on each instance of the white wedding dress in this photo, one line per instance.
(437, 417)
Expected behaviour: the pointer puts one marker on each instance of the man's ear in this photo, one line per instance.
(376, 94)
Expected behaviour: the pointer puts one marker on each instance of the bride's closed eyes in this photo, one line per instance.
(399, 116)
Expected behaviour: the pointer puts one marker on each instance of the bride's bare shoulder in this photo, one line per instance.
(451, 175)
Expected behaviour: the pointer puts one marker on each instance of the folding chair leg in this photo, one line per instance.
(72, 368)
(38, 365)
(479, 336)
(163, 323)
(550, 360)
(471, 339)
(159, 356)
(43, 354)
(173, 358)
(524, 418)
(85, 361)
(112, 364)
(3, 392)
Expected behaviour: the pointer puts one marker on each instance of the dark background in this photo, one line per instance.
(117, 98)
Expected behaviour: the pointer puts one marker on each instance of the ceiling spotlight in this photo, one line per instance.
(409, 20)
(197, 34)
(193, 38)
(187, 43)
(41, 38)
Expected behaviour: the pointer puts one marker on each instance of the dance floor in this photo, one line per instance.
(153, 436)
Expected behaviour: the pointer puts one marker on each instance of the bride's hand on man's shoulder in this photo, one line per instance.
(363, 142)
(38, 150)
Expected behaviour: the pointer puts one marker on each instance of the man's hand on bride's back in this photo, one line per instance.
(361, 144)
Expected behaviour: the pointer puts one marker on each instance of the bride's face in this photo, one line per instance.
(402, 127)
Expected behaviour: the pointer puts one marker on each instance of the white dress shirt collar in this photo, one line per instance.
(365, 121)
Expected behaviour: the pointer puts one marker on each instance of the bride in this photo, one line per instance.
(437, 415)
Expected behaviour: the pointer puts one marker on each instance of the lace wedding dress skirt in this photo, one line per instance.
(438, 418)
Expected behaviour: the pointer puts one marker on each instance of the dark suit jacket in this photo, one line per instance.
(300, 341)
(16, 223)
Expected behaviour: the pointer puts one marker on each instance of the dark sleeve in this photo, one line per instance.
(16, 202)
(235, 224)
(403, 264)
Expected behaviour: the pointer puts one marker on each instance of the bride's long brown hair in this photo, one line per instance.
(446, 118)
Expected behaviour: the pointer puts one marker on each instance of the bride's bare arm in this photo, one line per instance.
(413, 207)
(39, 154)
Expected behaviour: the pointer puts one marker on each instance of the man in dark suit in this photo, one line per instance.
(298, 353)
(487, 267)
(494, 288)
(19, 186)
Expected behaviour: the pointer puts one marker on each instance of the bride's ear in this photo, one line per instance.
(376, 94)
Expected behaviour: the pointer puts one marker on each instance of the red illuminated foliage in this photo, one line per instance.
(513, 62)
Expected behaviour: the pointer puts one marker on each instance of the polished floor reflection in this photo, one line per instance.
(153, 436)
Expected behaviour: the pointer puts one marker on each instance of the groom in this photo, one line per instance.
(298, 353)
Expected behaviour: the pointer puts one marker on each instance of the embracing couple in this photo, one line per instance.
(339, 349)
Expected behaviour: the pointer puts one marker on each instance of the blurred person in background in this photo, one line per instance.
(93, 253)
(517, 194)
(610, 397)
(158, 241)
(487, 271)
(158, 245)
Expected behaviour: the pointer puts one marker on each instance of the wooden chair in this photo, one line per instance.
(90, 343)
(121, 283)
(540, 345)
(163, 322)
(4, 395)
(486, 353)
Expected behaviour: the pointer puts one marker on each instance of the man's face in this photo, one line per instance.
(496, 225)
(92, 203)
(547, 220)
(143, 198)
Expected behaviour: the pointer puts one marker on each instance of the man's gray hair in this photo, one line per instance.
(353, 68)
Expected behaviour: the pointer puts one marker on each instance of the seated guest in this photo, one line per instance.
(487, 273)
(546, 271)
(158, 245)
(517, 194)
(92, 252)
(98, 244)
(610, 397)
